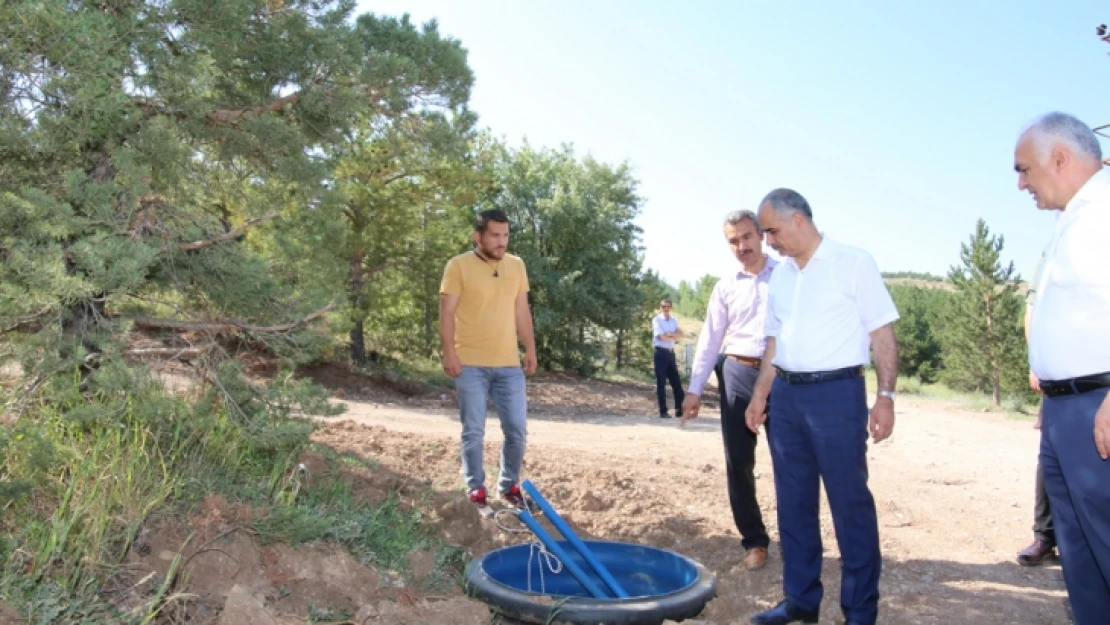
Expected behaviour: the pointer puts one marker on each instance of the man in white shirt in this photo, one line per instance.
(733, 326)
(827, 307)
(1059, 162)
(664, 333)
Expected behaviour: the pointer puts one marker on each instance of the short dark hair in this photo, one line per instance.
(486, 216)
(665, 301)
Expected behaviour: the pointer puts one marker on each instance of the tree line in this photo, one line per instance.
(283, 175)
(319, 167)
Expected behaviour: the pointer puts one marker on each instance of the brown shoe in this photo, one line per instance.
(1036, 553)
(755, 559)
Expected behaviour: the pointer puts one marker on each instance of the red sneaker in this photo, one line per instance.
(515, 498)
(477, 497)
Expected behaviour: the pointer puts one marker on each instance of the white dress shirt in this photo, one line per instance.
(1070, 335)
(734, 322)
(822, 316)
(661, 325)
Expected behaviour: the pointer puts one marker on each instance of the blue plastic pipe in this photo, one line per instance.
(554, 547)
(574, 540)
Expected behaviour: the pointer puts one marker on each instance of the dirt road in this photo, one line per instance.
(953, 489)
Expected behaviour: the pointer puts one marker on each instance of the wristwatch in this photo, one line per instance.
(887, 394)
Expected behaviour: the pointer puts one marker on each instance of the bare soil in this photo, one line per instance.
(953, 490)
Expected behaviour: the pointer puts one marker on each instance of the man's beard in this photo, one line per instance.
(492, 254)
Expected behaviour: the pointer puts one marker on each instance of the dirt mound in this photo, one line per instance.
(230, 576)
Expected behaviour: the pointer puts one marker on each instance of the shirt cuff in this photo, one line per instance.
(882, 321)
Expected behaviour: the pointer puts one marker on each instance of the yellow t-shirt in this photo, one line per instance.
(485, 319)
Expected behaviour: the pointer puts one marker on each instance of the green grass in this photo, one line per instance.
(79, 478)
(627, 376)
(1013, 406)
(327, 614)
(383, 534)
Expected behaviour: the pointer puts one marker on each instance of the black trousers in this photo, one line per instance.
(1042, 512)
(736, 382)
(666, 370)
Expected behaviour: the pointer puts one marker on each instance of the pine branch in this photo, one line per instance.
(232, 234)
(147, 323)
(230, 116)
(386, 265)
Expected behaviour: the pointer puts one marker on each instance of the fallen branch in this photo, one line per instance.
(176, 352)
(147, 323)
(223, 238)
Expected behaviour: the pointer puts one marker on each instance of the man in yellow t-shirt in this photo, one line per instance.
(483, 307)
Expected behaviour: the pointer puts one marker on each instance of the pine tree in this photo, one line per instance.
(143, 143)
(983, 344)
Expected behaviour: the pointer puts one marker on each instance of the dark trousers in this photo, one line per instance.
(819, 432)
(736, 382)
(1042, 511)
(1078, 485)
(666, 370)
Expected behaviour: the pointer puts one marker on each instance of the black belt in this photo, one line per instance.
(813, 377)
(1075, 386)
(666, 349)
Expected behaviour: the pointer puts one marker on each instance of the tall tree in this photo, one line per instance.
(403, 188)
(142, 142)
(573, 223)
(984, 348)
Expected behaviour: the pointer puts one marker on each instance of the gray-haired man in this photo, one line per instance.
(734, 326)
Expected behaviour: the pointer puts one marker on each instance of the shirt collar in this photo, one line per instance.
(767, 266)
(824, 250)
(1096, 186)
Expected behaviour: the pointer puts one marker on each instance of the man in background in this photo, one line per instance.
(664, 333)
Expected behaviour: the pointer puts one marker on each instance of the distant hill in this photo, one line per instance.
(913, 275)
(927, 281)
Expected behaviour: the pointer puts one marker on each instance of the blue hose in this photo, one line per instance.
(574, 540)
(554, 547)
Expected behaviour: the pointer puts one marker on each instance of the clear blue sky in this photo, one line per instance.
(897, 121)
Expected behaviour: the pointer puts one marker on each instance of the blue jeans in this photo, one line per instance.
(506, 386)
(819, 432)
(1078, 485)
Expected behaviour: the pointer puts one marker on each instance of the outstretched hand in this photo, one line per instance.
(690, 407)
